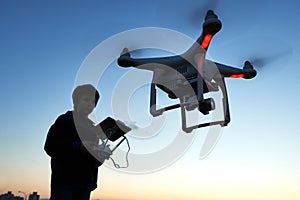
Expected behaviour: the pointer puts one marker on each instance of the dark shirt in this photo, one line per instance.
(71, 163)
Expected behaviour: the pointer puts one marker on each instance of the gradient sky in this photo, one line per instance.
(44, 43)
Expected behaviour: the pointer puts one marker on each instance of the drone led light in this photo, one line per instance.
(237, 76)
(206, 41)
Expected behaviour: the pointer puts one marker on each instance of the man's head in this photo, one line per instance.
(85, 98)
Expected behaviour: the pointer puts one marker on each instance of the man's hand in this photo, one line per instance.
(89, 145)
(103, 152)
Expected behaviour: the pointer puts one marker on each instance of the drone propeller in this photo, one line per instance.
(199, 12)
(262, 51)
(263, 61)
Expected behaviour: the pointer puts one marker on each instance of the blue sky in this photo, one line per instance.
(44, 43)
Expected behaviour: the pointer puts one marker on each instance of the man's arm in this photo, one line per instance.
(59, 142)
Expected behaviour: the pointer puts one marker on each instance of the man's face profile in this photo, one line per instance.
(85, 105)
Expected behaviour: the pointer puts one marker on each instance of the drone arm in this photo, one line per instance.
(247, 72)
(125, 60)
(210, 27)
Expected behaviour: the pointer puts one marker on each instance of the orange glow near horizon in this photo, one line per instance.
(250, 185)
(187, 179)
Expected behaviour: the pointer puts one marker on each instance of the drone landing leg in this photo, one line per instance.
(225, 103)
(200, 88)
(183, 121)
(153, 108)
(200, 80)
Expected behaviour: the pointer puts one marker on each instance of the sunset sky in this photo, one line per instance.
(45, 46)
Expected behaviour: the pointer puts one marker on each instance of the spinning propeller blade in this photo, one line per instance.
(263, 61)
(199, 12)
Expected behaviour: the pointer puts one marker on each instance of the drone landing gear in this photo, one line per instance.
(189, 104)
(204, 107)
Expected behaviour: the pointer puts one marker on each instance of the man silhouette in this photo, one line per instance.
(69, 143)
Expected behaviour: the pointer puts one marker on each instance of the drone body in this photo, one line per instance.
(189, 76)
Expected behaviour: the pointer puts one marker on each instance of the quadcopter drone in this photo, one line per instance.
(189, 76)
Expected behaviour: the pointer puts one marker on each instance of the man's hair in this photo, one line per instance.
(83, 90)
